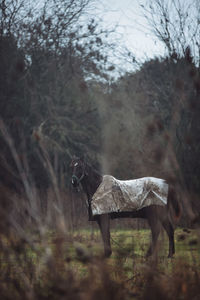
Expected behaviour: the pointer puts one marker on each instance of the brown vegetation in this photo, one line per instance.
(55, 101)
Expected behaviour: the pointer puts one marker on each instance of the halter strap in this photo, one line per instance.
(78, 179)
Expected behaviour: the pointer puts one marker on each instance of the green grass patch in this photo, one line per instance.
(57, 263)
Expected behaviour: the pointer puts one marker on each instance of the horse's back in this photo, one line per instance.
(144, 180)
(146, 187)
(115, 195)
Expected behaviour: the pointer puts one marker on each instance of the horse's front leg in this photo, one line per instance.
(154, 224)
(104, 225)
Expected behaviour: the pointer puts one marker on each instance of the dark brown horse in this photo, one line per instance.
(90, 179)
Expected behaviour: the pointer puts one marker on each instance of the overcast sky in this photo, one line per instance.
(132, 26)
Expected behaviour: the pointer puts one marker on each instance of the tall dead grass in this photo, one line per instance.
(37, 260)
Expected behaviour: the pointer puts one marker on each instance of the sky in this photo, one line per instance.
(132, 27)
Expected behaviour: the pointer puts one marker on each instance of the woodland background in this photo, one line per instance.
(60, 95)
(65, 90)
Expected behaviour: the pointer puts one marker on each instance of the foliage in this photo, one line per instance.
(57, 99)
(151, 125)
(47, 53)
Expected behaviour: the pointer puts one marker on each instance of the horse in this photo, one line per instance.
(156, 215)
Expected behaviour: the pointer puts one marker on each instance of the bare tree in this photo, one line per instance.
(176, 23)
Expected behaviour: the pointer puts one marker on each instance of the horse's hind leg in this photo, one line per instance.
(104, 224)
(170, 232)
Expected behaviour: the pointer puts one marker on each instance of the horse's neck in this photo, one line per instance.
(91, 181)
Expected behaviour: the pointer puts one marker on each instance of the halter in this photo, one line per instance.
(78, 179)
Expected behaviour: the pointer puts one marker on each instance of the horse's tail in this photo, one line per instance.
(173, 200)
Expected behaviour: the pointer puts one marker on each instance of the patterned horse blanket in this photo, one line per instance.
(115, 195)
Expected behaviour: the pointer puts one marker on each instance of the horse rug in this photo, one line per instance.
(115, 195)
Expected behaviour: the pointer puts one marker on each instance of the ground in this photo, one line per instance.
(57, 265)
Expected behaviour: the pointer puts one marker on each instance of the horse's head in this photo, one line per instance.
(77, 166)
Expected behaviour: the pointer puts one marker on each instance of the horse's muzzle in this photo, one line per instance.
(74, 181)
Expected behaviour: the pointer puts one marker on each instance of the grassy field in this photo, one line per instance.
(71, 266)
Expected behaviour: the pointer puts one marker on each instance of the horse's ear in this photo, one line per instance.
(74, 157)
(82, 158)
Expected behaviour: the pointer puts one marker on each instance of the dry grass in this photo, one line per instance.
(43, 257)
(70, 266)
